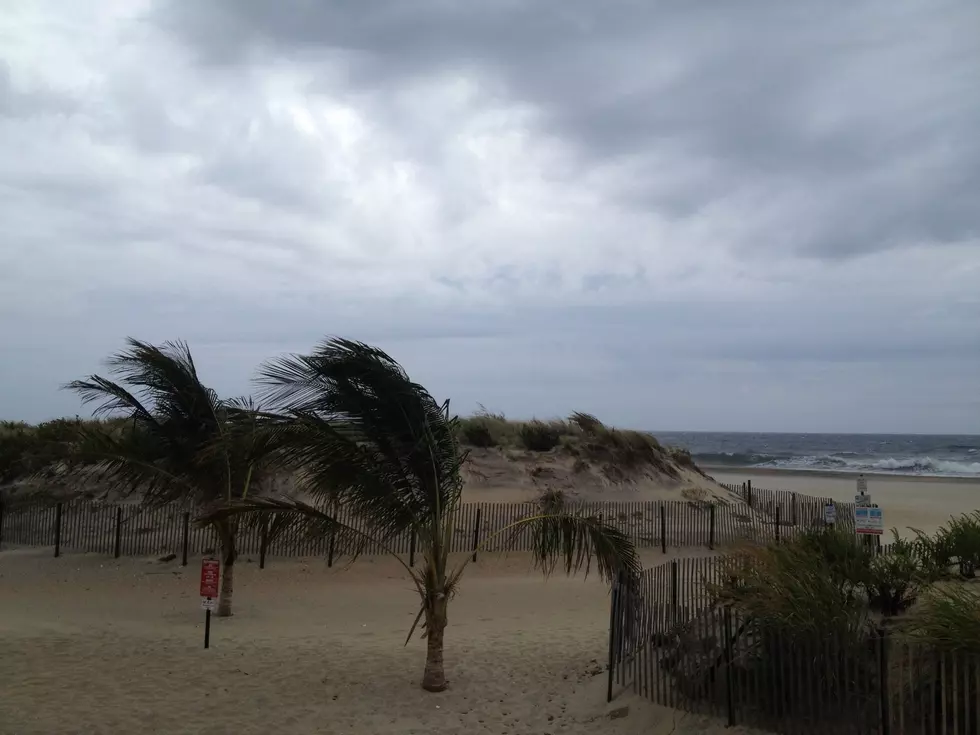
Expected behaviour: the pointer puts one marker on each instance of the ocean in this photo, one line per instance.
(905, 454)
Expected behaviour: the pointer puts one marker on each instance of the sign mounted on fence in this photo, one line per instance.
(830, 514)
(869, 521)
(210, 576)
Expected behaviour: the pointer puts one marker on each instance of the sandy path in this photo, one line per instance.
(920, 502)
(92, 645)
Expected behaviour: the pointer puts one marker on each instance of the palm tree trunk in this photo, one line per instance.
(434, 678)
(228, 555)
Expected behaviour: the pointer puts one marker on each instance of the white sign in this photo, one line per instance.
(862, 501)
(830, 514)
(869, 521)
(209, 603)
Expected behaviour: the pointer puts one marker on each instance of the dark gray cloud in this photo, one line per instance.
(856, 120)
(674, 215)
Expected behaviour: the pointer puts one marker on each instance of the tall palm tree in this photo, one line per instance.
(363, 436)
(184, 443)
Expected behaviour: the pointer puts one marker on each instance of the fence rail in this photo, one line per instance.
(671, 643)
(137, 530)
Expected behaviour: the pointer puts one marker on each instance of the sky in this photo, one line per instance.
(758, 216)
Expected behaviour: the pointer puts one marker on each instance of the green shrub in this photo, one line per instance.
(948, 618)
(538, 436)
(586, 422)
(477, 433)
(894, 581)
(954, 549)
(810, 584)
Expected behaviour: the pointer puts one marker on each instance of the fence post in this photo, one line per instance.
(333, 535)
(883, 680)
(263, 541)
(795, 512)
(613, 620)
(748, 485)
(711, 528)
(117, 541)
(476, 532)
(185, 537)
(673, 590)
(777, 524)
(663, 527)
(411, 550)
(57, 530)
(729, 685)
(1, 521)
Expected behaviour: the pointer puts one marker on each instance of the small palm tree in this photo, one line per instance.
(183, 443)
(363, 436)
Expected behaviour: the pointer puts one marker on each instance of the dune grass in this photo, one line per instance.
(582, 436)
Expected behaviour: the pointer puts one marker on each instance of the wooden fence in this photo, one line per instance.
(136, 530)
(670, 644)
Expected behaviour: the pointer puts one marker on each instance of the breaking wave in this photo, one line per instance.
(845, 462)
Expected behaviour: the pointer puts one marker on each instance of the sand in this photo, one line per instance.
(513, 476)
(93, 645)
(918, 502)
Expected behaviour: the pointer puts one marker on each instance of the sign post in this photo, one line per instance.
(210, 577)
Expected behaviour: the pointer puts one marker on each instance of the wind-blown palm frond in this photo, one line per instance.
(574, 541)
(182, 443)
(132, 461)
(364, 434)
(175, 418)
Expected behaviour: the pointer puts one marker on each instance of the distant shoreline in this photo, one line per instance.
(838, 474)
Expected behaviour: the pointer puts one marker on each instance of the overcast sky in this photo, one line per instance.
(758, 216)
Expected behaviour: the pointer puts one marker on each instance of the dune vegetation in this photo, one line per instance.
(838, 600)
(581, 436)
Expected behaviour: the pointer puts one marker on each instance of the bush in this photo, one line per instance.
(954, 549)
(948, 618)
(586, 422)
(809, 584)
(894, 581)
(682, 458)
(538, 436)
(477, 433)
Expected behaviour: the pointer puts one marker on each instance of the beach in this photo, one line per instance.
(96, 645)
(920, 502)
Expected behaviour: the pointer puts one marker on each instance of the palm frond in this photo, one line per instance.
(183, 440)
(111, 397)
(574, 541)
(131, 461)
(364, 433)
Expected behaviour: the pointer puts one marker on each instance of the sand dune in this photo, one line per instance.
(514, 476)
(92, 645)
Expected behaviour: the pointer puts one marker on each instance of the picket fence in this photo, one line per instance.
(671, 644)
(135, 530)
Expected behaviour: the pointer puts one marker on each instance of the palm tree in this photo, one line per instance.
(184, 443)
(363, 436)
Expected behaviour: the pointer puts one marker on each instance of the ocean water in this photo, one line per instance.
(907, 454)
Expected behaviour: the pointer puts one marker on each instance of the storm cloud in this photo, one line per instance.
(756, 215)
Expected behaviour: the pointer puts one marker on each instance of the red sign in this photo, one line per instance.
(210, 576)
